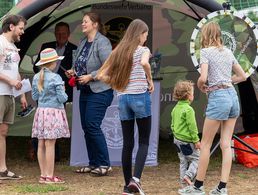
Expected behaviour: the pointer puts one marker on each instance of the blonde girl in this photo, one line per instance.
(217, 64)
(50, 122)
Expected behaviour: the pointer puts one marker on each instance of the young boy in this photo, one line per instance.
(185, 132)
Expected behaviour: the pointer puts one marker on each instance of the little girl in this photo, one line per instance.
(50, 120)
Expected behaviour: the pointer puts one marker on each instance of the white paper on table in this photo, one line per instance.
(26, 86)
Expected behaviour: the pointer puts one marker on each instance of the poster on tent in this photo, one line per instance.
(112, 130)
(116, 17)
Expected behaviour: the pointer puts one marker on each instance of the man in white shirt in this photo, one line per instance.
(12, 27)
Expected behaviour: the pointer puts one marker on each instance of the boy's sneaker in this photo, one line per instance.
(135, 186)
(191, 190)
(222, 191)
(126, 191)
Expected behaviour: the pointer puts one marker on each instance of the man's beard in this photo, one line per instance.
(16, 38)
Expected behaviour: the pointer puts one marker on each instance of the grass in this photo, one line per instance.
(165, 175)
(242, 176)
(30, 188)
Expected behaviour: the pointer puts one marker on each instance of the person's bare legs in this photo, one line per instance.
(227, 130)
(42, 157)
(210, 129)
(50, 156)
(3, 134)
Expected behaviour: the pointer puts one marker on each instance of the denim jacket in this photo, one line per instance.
(53, 94)
(99, 52)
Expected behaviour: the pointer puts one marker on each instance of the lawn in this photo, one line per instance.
(159, 180)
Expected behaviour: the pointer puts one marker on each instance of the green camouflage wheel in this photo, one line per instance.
(239, 34)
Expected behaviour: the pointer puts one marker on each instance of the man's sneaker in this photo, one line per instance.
(9, 175)
(126, 191)
(26, 111)
(135, 186)
(191, 190)
(222, 191)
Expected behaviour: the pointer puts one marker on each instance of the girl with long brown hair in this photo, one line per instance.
(217, 64)
(127, 70)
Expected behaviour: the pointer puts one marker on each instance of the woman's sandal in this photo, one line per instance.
(54, 180)
(101, 171)
(42, 179)
(86, 169)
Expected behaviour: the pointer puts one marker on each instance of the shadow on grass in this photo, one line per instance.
(18, 149)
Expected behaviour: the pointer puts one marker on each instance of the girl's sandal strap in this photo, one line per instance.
(54, 180)
(42, 179)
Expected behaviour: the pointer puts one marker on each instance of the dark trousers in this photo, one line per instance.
(144, 129)
(93, 107)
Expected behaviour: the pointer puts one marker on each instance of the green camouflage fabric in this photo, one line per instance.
(173, 23)
(238, 34)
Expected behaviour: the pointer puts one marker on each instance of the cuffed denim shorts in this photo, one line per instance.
(223, 104)
(133, 106)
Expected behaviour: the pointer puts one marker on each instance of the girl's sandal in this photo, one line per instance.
(54, 180)
(42, 179)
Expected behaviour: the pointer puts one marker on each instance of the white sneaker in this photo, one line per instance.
(222, 191)
(191, 190)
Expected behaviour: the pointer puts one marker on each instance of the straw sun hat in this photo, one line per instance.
(48, 55)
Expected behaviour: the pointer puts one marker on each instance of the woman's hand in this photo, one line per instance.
(69, 73)
(84, 79)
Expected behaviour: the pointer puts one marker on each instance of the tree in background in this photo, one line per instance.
(253, 16)
(243, 4)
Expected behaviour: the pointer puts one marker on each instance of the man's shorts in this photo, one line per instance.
(223, 104)
(7, 109)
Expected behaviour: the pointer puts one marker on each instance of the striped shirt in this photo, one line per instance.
(137, 82)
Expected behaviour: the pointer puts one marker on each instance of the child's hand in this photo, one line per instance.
(197, 145)
(69, 73)
(204, 88)
(151, 86)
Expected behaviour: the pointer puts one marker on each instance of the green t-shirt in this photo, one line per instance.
(183, 123)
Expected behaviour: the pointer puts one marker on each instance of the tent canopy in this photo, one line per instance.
(42, 14)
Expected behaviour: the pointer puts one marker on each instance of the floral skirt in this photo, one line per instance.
(50, 123)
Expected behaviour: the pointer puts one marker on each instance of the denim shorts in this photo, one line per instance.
(223, 104)
(133, 106)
